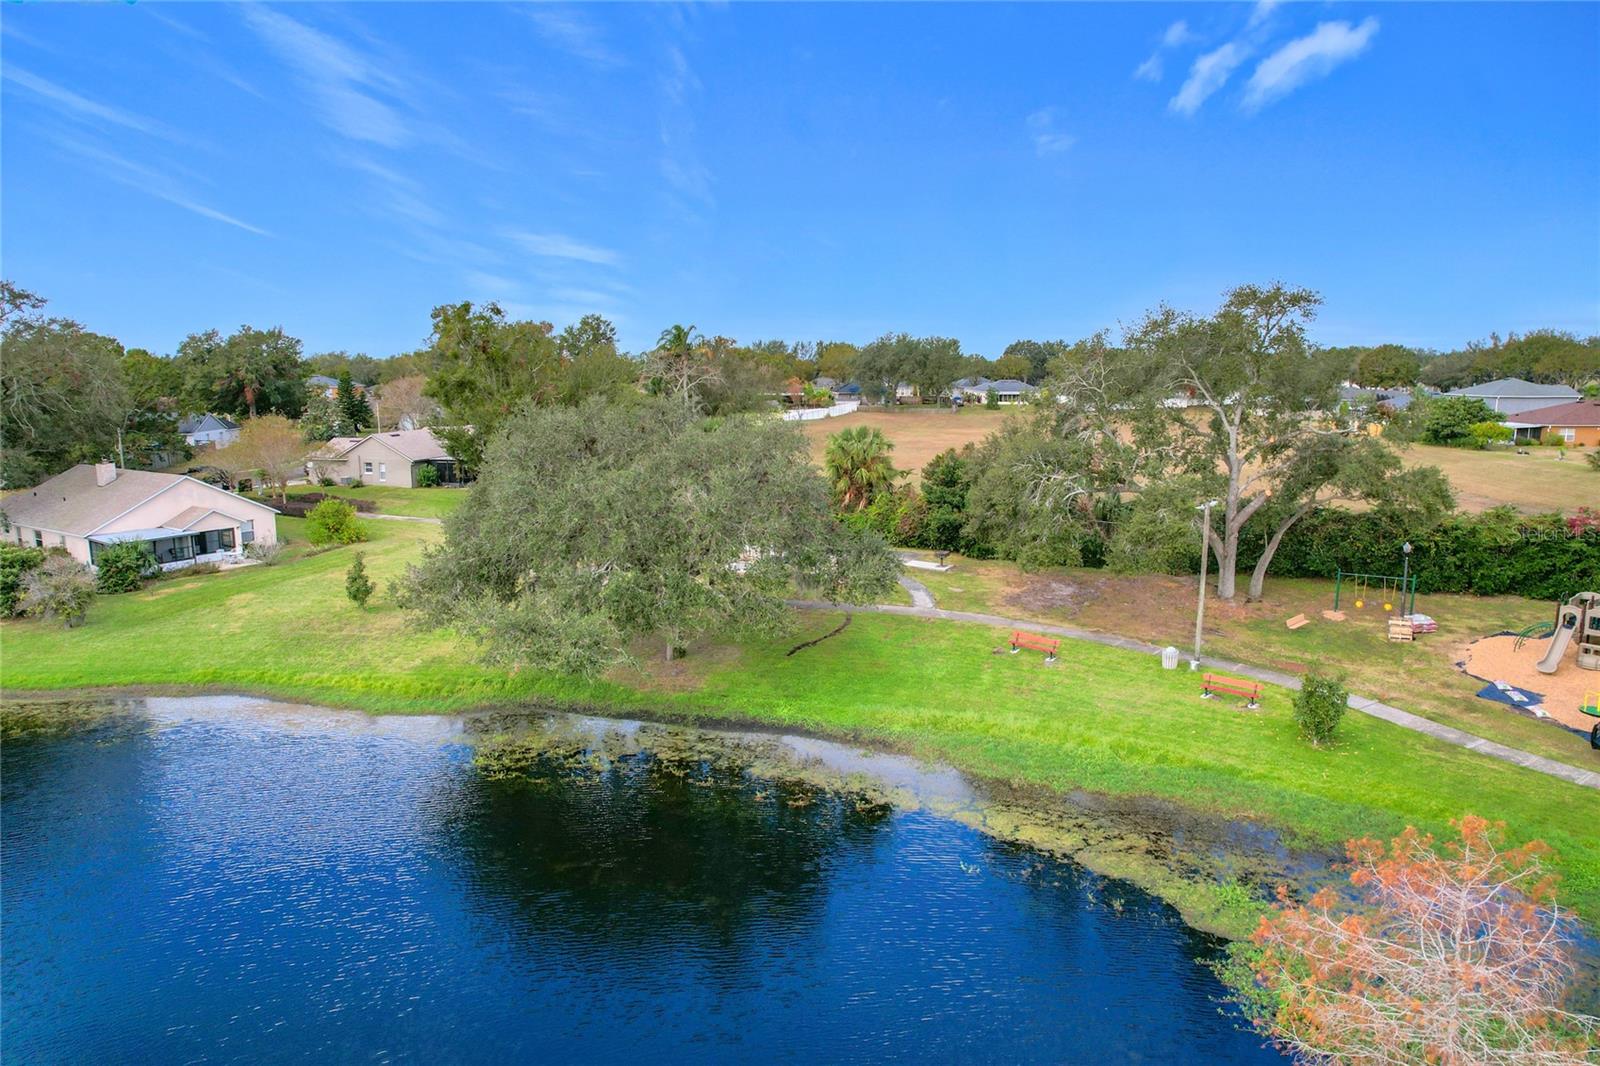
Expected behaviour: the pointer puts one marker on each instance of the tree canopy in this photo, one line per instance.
(593, 527)
(1231, 407)
(63, 394)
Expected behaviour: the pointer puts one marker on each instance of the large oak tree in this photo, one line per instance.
(596, 526)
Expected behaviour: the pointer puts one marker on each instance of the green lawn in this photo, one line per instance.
(1102, 719)
(419, 503)
(1421, 677)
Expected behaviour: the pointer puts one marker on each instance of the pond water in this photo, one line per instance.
(226, 880)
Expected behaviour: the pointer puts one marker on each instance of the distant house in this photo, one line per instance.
(390, 458)
(841, 390)
(184, 521)
(1006, 390)
(208, 429)
(329, 386)
(1575, 424)
(1511, 396)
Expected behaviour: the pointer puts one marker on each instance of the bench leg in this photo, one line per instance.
(1207, 695)
(1015, 649)
(1049, 658)
(1252, 705)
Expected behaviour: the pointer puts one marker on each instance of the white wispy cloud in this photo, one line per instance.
(680, 164)
(1047, 139)
(560, 246)
(78, 106)
(344, 83)
(1307, 58)
(152, 182)
(572, 32)
(1209, 73)
(1175, 36)
(1261, 12)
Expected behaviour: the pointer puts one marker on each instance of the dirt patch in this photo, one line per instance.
(1053, 595)
(1498, 659)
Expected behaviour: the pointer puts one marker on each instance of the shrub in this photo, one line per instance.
(991, 400)
(427, 476)
(15, 564)
(356, 583)
(1449, 420)
(198, 569)
(124, 567)
(264, 553)
(1453, 953)
(1593, 459)
(358, 484)
(1318, 706)
(325, 481)
(59, 587)
(1487, 433)
(333, 521)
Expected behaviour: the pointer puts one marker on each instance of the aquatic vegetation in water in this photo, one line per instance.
(23, 719)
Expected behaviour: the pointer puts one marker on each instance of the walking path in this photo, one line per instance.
(1364, 704)
(402, 518)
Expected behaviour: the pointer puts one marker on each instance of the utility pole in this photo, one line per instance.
(1405, 579)
(1205, 551)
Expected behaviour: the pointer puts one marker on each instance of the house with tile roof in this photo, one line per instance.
(1576, 425)
(184, 520)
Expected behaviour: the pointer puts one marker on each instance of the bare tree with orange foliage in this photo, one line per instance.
(1447, 955)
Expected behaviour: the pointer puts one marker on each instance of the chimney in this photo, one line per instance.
(105, 473)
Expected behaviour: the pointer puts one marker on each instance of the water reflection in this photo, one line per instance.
(217, 882)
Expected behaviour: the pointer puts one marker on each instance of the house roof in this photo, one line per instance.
(72, 503)
(200, 423)
(1581, 413)
(1517, 388)
(413, 444)
(322, 381)
(1009, 385)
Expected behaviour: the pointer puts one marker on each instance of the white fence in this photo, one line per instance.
(811, 414)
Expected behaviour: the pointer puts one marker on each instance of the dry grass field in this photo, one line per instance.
(918, 433)
(1534, 483)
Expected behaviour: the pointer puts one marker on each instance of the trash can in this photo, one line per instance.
(1169, 658)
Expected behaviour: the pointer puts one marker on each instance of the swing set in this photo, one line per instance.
(1393, 592)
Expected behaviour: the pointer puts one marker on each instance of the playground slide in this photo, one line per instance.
(1565, 627)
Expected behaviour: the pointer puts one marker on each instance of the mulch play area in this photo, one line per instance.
(1497, 659)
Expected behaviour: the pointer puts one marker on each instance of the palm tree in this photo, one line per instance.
(857, 461)
(681, 364)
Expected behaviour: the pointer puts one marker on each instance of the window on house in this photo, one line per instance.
(383, 471)
(366, 468)
(247, 532)
(38, 539)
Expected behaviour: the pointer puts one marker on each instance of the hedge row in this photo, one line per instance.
(1491, 554)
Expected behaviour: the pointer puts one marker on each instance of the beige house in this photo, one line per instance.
(184, 521)
(391, 458)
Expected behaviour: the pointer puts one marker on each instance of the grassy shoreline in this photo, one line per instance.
(1102, 721)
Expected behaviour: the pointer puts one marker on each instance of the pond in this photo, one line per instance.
(225, 879)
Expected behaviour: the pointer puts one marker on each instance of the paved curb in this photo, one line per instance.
(402, 518)
(1364, 704)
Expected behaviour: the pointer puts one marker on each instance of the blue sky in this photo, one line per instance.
(800, 171)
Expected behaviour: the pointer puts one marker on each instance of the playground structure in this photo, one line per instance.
(1398, 593)
(1578, 618)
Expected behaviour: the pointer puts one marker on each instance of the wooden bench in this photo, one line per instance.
(1217, 685)
(1048, 645)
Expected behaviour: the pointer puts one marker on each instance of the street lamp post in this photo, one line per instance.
(1405, 577)
(1205, 550)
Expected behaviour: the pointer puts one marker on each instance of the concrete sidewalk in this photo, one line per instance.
(1364, 704)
